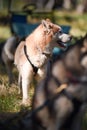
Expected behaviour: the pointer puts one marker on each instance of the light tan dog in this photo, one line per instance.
(32, 54)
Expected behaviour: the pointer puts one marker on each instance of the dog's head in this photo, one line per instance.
(55, 33)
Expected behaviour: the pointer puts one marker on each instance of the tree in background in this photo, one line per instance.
(81, 6)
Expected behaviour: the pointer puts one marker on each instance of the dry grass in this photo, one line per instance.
(10, 100)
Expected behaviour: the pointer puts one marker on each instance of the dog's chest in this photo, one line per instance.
(38, 60)
(41, 57)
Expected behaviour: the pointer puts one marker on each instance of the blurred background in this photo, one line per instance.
(71, 13)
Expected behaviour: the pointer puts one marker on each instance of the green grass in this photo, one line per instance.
(85, 122)
(10, 100)
(9, 103)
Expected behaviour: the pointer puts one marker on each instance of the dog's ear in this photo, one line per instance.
(48, 25)
(48, 20)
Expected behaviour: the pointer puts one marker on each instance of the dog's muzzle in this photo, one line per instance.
(63, 39)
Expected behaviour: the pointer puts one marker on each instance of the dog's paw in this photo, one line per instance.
(26, 102)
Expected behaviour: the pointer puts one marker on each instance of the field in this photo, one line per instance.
(9, 98)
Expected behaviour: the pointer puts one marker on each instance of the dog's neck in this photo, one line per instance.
(41, 48)
(35, 68)
(41, 41)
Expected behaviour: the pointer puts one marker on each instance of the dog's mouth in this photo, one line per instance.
(63, 40)
(62, 44)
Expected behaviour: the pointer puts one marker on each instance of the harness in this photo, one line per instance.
(35, 69)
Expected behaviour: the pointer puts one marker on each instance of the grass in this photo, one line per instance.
(9, 98)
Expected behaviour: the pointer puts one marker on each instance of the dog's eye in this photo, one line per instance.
(50, 27)
(60, 32)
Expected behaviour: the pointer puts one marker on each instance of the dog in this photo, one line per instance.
(64, 109)
(75, 52)
(32, 54)
(7, 54)
(73, 56)
(8, 48)
(53, 103)
(54, 106)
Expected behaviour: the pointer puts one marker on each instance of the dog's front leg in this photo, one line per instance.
(25, 88)
(41, 73)
(19, 84)
(26, 74)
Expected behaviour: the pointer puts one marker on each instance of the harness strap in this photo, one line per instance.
(35, 69)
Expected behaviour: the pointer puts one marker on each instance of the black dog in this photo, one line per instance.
(54, 107)
(74, 53)
(63, 109)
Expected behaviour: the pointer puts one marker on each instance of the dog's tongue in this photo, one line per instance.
(62, 45)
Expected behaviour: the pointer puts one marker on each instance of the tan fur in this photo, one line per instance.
(39, 46)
